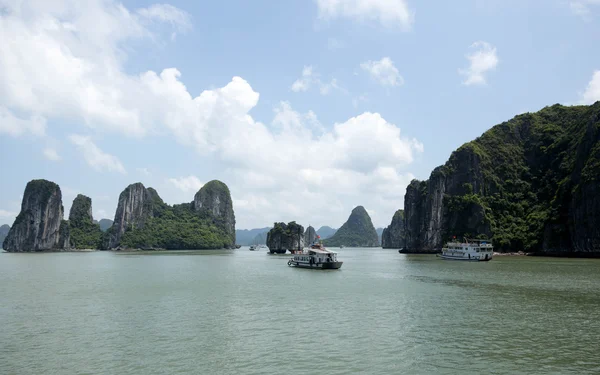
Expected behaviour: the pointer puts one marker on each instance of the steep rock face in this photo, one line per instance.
(135, 207)
(528, 184)
(310, 235)
(214, 200)
(357, 231)
(38, 225)
(3, 232)
(85, 234)
(144, 221)
(393, 236)
(285, 237)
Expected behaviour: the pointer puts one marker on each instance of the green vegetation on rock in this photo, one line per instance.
(358, 231)
(145, 221)
(529, 184)
(84, 233)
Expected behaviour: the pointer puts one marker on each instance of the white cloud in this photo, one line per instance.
(15, 126)
(5, 214)
(187, 184)
(303, 83)
(309, 79)
(592, 91)
(383, 71)
(68, 65)
(166, 13)
(481, 60)
(143, 171)
(389, 13)
(95, 157)
(582, 7)
(59, 59)
(51, 154)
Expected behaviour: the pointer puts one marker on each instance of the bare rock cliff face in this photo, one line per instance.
(393, 236)
(39, 226)
(285, 237)
(214, 200)
(134, 208)
(310, 235)
(430, 212)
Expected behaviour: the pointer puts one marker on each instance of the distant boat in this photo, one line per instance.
(253, 248)
(470, 250)
(342, 246)
(316, 257)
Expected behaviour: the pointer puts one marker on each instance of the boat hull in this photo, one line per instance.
(317, 266)
(465, 259)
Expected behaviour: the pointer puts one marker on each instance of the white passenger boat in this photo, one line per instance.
(316, 257)
(473, 250)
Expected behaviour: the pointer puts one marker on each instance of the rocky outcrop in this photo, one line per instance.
(85, 233)
(214, 200)
(357, 231)
(144, 221)
(285, 237)
(3, 232)
(529, 184)
(135, 207)
(393, 236)
(310, 236)
(39, 226)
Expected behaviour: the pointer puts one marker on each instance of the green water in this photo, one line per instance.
(242, 312)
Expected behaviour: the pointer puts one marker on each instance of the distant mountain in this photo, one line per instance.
(379, 233)
(259, 239)
(246, 237)
(358, 231)
(3, 232)
(105, 224)
(326, 232)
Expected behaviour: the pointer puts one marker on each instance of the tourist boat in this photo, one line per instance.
(253, 247)
(316, 257)
(473, 250)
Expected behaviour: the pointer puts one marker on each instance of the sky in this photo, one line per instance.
(305, 109)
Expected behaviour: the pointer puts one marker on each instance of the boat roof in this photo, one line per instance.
(322, 251)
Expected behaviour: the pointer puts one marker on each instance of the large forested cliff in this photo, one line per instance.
(531, 183)
(143, 220)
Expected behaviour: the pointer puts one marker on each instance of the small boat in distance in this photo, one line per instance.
(470, 250)
(252, 247)
(316, 257)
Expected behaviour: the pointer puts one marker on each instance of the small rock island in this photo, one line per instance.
(357, 231)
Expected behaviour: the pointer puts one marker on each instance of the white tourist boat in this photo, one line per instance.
(316, 257)
(473, 250)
